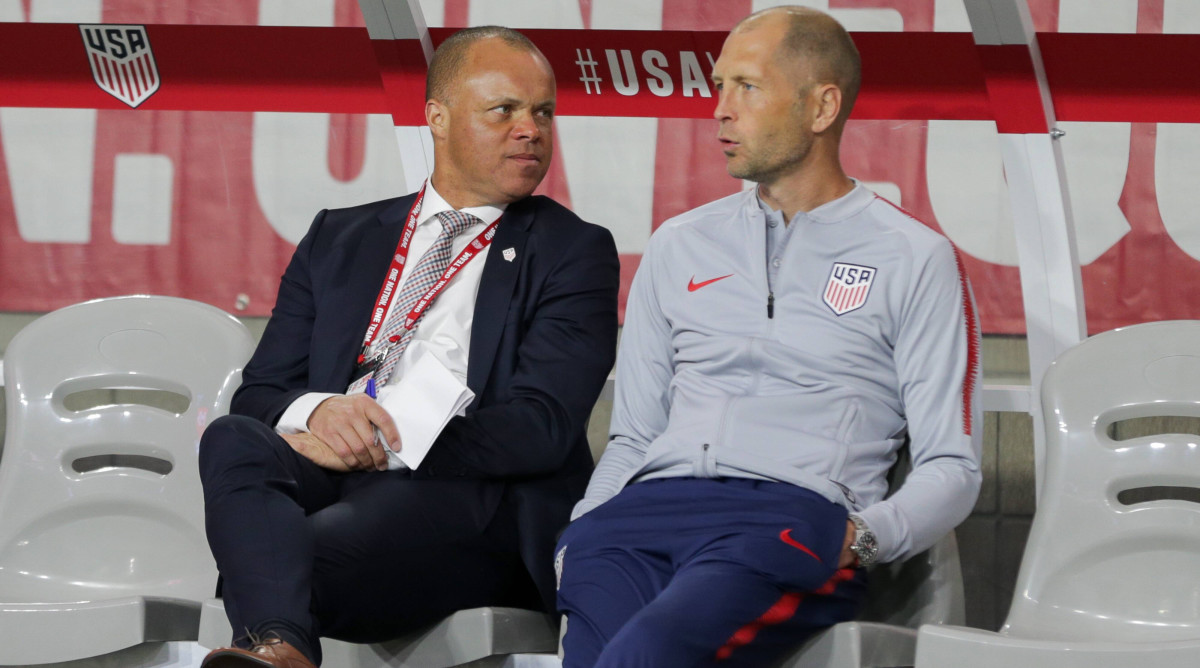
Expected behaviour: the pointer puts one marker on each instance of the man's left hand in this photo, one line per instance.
(848, 558)
(316, 451)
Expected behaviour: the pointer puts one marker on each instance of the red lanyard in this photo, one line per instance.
(397, 267)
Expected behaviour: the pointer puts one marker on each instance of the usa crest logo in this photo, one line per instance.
(122, 62)
(848, 287)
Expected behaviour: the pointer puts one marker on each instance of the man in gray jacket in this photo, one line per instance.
(780, 345)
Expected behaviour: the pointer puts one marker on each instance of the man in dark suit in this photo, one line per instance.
(312, 534)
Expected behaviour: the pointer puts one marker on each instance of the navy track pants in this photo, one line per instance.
(698, 572)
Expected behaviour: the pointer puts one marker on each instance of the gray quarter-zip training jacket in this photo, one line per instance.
(864, 331)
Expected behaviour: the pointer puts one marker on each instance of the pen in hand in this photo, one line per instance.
(372, 392)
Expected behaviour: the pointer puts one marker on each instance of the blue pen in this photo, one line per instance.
(371, 393)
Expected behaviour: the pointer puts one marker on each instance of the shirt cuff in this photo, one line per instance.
(295, 419)
(882, 523)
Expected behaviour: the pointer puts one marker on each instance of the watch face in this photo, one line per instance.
(865, 547)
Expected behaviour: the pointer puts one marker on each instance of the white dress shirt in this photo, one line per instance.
(445, 331)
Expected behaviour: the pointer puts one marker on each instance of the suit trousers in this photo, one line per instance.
(305, 552)
(684, 572)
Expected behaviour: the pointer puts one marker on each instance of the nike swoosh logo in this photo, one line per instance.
(786, 536)
(694, 286)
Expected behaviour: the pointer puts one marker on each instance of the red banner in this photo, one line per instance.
(203, 190)
(630, 73)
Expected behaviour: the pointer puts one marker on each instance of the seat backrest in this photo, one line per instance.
(99, 491)
(1114, 549)
(924, 589)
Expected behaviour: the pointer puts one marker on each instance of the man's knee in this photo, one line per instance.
(231, 440)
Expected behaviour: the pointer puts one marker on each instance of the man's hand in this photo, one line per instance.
(848, 558)
(346, 424)
(315, 451)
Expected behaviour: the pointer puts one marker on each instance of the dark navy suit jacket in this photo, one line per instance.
(543, 340)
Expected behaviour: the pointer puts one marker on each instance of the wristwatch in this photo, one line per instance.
(864, 546)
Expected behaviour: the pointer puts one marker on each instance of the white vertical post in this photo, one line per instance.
(403, 20)
(1051, 286)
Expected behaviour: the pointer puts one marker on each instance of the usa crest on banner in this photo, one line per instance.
(122, 61)
(848, 287)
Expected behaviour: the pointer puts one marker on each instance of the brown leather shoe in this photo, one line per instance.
(273, 653)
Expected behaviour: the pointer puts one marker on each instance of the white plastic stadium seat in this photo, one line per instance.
(1109, 578)
(479, 637)
(101, 516)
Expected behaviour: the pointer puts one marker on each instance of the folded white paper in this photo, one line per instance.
(421, 402)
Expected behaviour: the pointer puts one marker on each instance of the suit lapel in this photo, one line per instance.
(368, 264)
(496, 293)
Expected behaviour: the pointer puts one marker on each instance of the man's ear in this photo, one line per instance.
(437, 116)
(827, 101)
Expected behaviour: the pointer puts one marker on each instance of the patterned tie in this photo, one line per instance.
(427, 272)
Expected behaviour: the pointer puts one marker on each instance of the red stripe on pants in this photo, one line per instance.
(781, 611)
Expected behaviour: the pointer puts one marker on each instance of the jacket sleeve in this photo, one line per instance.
(937, 363)
(277, 373)
(562, 363)
(645, 367)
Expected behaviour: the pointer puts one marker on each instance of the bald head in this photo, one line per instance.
(816, 44)
(450, 59)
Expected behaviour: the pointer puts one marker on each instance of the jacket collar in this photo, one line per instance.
(846, 206)
(397, 211)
